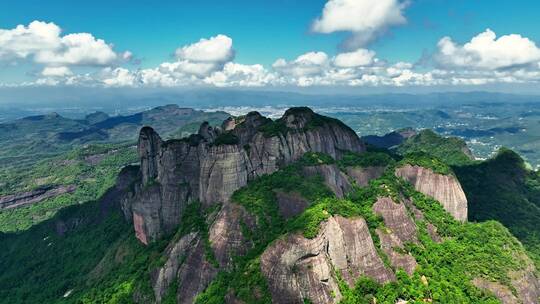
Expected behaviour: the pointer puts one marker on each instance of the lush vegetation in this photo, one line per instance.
(445, 269)
(91, 169)
(246, 281)
(492, 187)
(452, 150)
(502, 189)
(367, 159)
(426, 160)
(98, 260)
(226, 138)
(276, 127)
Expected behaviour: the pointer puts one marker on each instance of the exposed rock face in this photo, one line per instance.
(402, 229)
(187, 264)
(194, 275)
(34, 196)
(225, 234)
(502, 292)
(298, 268)
(175, 253)
(444, 188)
(419, 216)
(290, 204)
(336, 180)
(362, 176)
(526, 283)
(175, 173)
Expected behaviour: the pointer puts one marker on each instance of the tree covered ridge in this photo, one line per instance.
(501, 188)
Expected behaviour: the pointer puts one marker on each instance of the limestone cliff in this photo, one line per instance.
(211, 165)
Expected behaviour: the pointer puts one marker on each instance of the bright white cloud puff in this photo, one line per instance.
(486, 51)
(42, 43)
(365, 19)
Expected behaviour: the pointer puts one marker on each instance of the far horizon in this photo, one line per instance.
(311, 47)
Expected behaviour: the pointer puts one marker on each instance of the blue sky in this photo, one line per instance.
(264, 31)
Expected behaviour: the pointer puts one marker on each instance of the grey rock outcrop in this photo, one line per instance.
(444, 188)
(400, 229)
(526, 282)
(209, 166)
(419, 216)
(502, 292)
(187, 265)
(290, 204)
(298, 268)
(333, 177)
(362, 176)
(226, 236)
(175, 253)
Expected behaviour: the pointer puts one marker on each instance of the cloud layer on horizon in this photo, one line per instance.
(210, 61)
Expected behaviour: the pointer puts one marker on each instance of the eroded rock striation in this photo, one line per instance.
(400, 229)
(298, 268)
(211, 165)
(444, 188)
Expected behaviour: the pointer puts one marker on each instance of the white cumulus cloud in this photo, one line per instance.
(486, 51)
(360, 57)
(43, 43)
(60, 71)
(365, 19)
(311, 63)
(235, 74)
(214, 49)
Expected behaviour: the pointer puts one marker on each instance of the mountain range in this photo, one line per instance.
(294, 210)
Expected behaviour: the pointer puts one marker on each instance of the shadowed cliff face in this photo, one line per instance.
(210, 166)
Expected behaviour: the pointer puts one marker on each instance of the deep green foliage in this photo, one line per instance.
(427, 161)
(194, 220)
(226, 138)
(246, 281)
(92, 170)
(314, 120)
(98, 260)
(470, 250)
(315, 159)
(452, 150)
(366, 159)
(273, 128)
(503, 189)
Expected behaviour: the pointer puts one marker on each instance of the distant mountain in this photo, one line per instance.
(389, 140)
(31, 138)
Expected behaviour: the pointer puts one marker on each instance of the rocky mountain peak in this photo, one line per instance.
(210, 166)
(149, 146)
(208, 132)
(298, 118)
